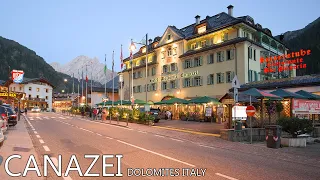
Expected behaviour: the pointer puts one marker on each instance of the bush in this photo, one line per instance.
(295, 126)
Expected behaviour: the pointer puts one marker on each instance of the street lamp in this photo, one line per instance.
(65, 81)
(132, 48)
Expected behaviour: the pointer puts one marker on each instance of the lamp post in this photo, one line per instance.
(132, 48)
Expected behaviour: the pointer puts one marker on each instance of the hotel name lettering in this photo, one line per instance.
(174, 77)
(5, 94)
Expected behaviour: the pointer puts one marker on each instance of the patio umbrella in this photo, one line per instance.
(287, 94)
(308, 95)
(261, 94)
(124, 102)
(176, 101)
(104, 103)
(204, 99)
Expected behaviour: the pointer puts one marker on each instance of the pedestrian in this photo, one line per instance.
(169, 115)
(95, 113)
(25, 111)
(82, 112)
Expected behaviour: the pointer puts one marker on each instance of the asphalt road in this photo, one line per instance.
(55, 134)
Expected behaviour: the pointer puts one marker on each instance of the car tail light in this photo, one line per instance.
(4, 116)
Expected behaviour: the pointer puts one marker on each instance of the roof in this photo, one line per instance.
(30, 80)
(102, 89)
(241, 97)
(2, 82)
(299, 81)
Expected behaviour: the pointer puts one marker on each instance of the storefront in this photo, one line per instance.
(309, 109)
(12, 99)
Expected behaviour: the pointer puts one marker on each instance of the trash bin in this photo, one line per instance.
(238, 126)
(273, 136)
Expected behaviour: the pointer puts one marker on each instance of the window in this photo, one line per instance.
(229, 75)
(143, 61)
(187, 64)
(139, 74)
(46, 97)
(210, 79)
(194, 46)
(210, 59)
(29, 96)
(256, 76)
(30, 88)
(250, 76)
(197, 81)
(230, 54)
(198, 61)
(173, 67)
(38, 96)
(14, 88)
(202, 29)
(203, 43)
(173, 84)
(47, 90)
(220, 78)
(153, 87)
(138, 88)
(169, 36)
(134, 89)
(174, 51)
(187, 82)
(164, 85)
(169, 51)
(162, 55)
(38, 89)
(250, 52)
(220, 56)
(254, 55)
(134, 75)
(153, 71)
(165, 69)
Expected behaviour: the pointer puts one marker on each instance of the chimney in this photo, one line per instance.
(150, 41)
(197, 19)
(230, 10)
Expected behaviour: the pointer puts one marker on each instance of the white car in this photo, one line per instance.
(1, 137)
(35, 109)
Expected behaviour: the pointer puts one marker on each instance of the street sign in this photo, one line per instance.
(251, 110)
(235, 95)
(235, 82)
(17, 76)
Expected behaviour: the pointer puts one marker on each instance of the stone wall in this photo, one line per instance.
(258, 134)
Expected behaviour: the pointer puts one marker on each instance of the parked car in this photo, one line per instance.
(12, 116)
(4, 118)
(1, 136)
(35, 109)
(153, 112)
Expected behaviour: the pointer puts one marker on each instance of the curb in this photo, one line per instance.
(187, 131)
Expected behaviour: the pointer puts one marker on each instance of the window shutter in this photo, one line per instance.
(200, 60)
(232, 75)
(201, 81)
(184, 64)
(208, 59)
(222, 77)
(208, 79)
(222, 55)
(176, 66)
(191, 81)
(184, 83)
(207, 42)
(192, 62)
(231, 53)
(212, 58)
(177, 83)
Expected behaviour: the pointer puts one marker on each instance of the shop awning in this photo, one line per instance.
(287, 94)
(308, 95)
(173, 101)
(259, 94)
(204, 99)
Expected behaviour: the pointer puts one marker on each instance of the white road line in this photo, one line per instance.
(142, 132)
(108, 137)
(164, 156)
(62, 118)
(38, 136)
(41, 141)
(98, 134)
(46, 148)
(106, 124)
(159, 136)
(46, 117)
(35, 132)
(225, 176)
(176, 140)
(54, 160)
(206, 146)
(38, 117)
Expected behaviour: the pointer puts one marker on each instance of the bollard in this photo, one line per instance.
(127, 121)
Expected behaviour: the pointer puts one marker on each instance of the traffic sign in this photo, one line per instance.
(251, 110)
(235, 82)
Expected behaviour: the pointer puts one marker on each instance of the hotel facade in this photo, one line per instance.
(201, 59)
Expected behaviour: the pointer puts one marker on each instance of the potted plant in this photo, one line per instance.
(182, 116)
(295, 126)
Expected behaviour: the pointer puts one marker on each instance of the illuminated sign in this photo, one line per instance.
(285, 62)
(17, 76)
(174, 77)
(5, 94)
(302, 106)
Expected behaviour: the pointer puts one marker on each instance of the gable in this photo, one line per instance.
(169, 33)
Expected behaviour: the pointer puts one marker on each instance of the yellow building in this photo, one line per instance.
(201, 59)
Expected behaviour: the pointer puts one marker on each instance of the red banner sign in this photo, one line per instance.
(302, 106)
(285, 62)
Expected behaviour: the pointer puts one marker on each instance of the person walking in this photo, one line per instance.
(95, 113)
(26, 111)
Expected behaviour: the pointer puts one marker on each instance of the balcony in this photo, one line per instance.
(35, 99)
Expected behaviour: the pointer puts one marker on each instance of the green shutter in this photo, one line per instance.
(208, 59)
(191, 81)
(201, 80)
(201, 60)
(222, 55)
(231, 53)
(208, 79)
(184, 82)
(222, 77)
(184, 64)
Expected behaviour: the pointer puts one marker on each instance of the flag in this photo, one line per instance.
(121, 58)
(105, 64)
(87, 78)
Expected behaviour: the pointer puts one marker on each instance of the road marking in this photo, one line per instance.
(206, 146)
(62, 118)
(53, 117)
(46, 117)
(176, 140)
(129, 129)
(35, 132)
(46, 148)
(225, 176)
(108, 137)
(187, 131)
(38, 136)
(159, 136)
(67, 178)
(164, 156)
(41, 141)
(142, 132)
(98, 134)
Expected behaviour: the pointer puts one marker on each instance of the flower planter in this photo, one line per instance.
(183, 118)
(294, 142)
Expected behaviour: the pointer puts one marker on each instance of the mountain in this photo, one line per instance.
(20, 57)
(306, 38)
(79, 64)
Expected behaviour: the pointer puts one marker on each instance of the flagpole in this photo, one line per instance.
(78, 89)
(86, 85)
(81, 82)
(146, 87)
(91, 92)
(121, 78)
(105, 78)
(112, 78)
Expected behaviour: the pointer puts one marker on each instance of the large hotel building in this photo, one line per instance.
(201, 59)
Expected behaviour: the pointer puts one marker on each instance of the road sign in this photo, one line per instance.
(235, 95)
(251, 110)
(235, 82)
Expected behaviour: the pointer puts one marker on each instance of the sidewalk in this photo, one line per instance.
(18, 142)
